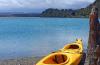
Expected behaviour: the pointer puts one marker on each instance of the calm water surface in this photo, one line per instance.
(22, 37)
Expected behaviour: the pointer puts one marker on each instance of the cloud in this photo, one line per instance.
(43, 4)
(68, 4)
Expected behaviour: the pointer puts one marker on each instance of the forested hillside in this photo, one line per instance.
(83, 12)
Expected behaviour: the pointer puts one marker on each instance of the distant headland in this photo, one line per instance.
(51, 12)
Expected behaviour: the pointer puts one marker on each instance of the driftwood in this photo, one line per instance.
(94, 36)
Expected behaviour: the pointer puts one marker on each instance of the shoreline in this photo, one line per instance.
(43, 17)
(20, 61)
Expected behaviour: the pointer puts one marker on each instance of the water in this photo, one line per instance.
(22, 37)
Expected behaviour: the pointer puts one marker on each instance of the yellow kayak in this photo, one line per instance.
(75, 47)
(70, 54)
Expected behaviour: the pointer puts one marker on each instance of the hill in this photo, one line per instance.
(83, 12)
(14, 14)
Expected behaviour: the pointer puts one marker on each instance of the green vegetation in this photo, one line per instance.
(57, 13)
(84, 12)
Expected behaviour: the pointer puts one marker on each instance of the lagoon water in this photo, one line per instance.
(30, 36)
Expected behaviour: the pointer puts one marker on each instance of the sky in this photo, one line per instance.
(40, 5)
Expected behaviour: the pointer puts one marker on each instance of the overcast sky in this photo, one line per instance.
(40, 5)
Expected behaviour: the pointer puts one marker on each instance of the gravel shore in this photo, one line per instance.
(27, 61)
(20, 61)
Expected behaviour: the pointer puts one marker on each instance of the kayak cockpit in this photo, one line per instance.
(56, 59)
(73, 47)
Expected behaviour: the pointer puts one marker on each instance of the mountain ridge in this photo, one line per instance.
(62, 13)
(83, 12)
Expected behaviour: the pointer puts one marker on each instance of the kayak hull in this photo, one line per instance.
(70, 54)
